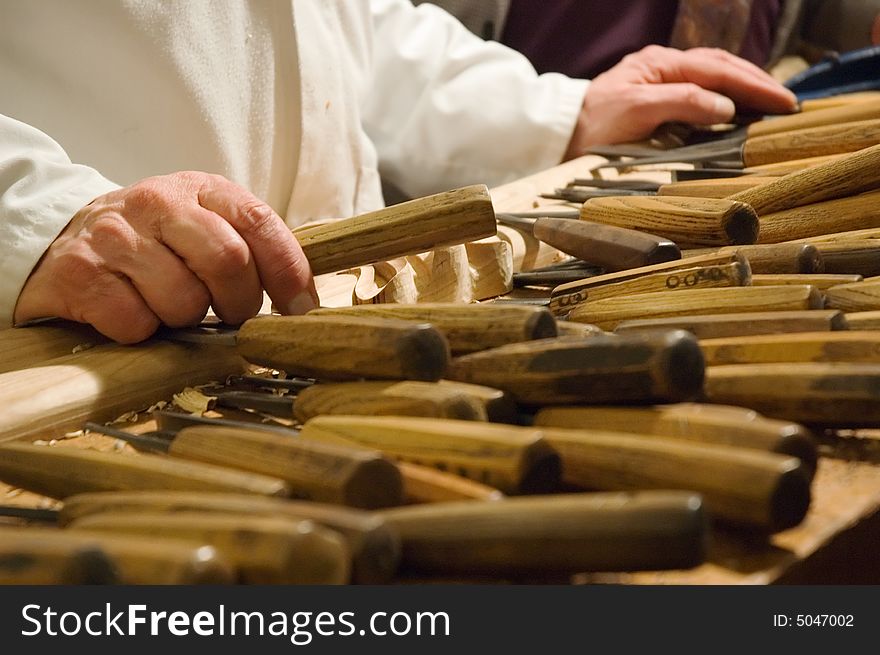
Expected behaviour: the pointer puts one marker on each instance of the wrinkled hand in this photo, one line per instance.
(656, 85)
(164, 250)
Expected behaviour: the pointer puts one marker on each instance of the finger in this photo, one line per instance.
(219, 257)
(113, 306)
(729, 75)
(170, 289)
(685, 102)
(280, 262)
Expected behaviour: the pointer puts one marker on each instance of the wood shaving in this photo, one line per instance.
(80, 347)
(193, 401)
(12, 493)
(128, 417)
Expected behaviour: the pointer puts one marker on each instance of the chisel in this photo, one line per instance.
(408, 228)
(329, 473)
(820, 218)
(835, 394)
(842, 346)
(334, 347)
(559, 534)
(689, 222)
(769, 148)
(468, 327)
(704, 423)
(822, 281)
(863, 320)
(612, 248)
(708, 326)
(857, 256)
(861, 296)
(38, 556)
(374, 546)
(265, 550)
(772, 257)
(607, 313)
(712, 188)
(61, 472)
(510, 459)
(423, 484)
(660, 276)
(759, 490)
(663, 366)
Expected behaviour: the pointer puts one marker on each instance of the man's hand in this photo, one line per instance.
(657, 85)
(164, 250)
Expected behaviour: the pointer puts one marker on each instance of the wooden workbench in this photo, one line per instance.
(836, 543)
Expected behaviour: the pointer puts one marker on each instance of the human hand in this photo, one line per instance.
(656, 85)
(164, 250)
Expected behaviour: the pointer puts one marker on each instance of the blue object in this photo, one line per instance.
(848, 72)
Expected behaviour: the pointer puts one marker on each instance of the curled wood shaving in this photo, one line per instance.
(82, 346)
(193, 401)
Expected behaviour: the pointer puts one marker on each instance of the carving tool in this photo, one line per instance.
(708, 326)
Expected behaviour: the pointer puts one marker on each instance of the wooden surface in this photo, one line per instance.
(836, 543)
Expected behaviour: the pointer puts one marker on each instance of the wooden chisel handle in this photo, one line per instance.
(612, 248)
(422, 484)
(330, 473)
(467, 327)
(811, 142)
(345, 347)
(841, 346)
(663, 365)
(855, 297)
(844, 176)
(772, 257)
(838, 100)
(419, 225)
(62, 472)
(708, 326)
(704, 423)
(501, 456)
(822, 281)
(712, 188)
(756, 489)
(830, 216)
(265, 550)
(50, 556)
(383, 398)
(686, 221)
(832, 394)
(554, 534)
(837, 115)
(609, 312)
(374, 546)
(852, 257)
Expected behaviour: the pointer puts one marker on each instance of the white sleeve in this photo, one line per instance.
(447, 109)
(40, 191)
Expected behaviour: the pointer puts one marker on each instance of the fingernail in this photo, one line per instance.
(302, 303)
(724, 107)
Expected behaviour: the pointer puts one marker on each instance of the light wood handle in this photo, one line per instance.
(611, 311)
(712, 188)
(841, 346)
(844, 176)
(856, 297)
(708, 326)
(566, 295)
(839, 100)
(843, 214)
(423, 484)
(467, 327)
(856, 257)
(748, 487)
(612, 248)
(102, 383)
(836, 115)
(822, 281)
(869, 320)
(23, 347)
(686, 221)
(584, 330)
(419, 225)
(330, 473)
(265, 550)
(48, 556)
(374, 546)
(792, 166)
(827, 394)
(811, 142)
(663, 366)
(703, 423)
(510, 459)
(735, 274)
(63, 472)
(383, 398)
(554, 534)
(774, 258)
(340, 348)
